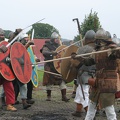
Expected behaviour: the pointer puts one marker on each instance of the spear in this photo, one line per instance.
(21, 33)
(91, 53)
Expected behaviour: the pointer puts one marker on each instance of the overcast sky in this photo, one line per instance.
(59, 13)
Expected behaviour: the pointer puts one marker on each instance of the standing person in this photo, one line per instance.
(104, 87)
(18, 86)
(7, 85)
(86, 70)
(25, 41)
(48, 52)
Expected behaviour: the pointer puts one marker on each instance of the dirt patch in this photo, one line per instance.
(49, 110)
(48, 116)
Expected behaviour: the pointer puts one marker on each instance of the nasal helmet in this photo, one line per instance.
(101, 34)
(54, 35)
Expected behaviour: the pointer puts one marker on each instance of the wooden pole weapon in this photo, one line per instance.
(91, 53)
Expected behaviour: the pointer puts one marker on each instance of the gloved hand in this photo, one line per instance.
(54, 53)
(112, 46)
(3, 48)
(37, 60)
(73, 55)
(30, 43)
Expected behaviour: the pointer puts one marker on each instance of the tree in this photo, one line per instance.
(43, 30)
(7, 33)
(90, 22)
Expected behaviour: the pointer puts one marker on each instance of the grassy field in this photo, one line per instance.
(40, 76)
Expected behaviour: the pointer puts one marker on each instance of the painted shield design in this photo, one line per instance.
(5, 66)
(61, 51)
(34, 77)
(20, 61)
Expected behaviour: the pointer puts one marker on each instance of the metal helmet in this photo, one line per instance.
(101, 34)
(115, 39)
(89, 37)
(2, 31)
(108, 35)
(23, 35)
(54, 35)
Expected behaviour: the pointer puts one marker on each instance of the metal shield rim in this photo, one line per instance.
(65, 65)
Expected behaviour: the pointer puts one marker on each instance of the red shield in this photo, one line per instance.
(5, 67)
(22, 71)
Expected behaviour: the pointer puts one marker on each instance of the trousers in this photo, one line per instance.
(9, 91)
(79, 95)
(109, 110)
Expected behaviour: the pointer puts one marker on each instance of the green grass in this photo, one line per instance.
(40, 78)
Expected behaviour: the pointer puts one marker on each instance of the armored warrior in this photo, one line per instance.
(7, 85)
(48, 52)
(104, 85)
(19, 86)
(86, 70)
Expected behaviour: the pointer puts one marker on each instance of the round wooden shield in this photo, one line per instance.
(20, 61)
(5, 67)
(57, 64)
(67, 70)
(34, 77)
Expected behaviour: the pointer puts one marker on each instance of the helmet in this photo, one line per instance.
(101, 34)
(89, 37)
(2, 31)
(54, 35)
(108, 34)
(115, 39)
(102, 38)
(23, 35)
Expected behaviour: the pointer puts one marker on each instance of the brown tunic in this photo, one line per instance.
(106, 80)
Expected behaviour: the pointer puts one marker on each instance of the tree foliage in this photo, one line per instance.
(43, 30)
(91, 21)
(7, 33)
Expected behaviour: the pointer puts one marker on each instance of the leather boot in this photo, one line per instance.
(64, 98)
(3, 101)
(77, 113)
(25, 104)
(30, 101)
(48, 95)
(73, 94)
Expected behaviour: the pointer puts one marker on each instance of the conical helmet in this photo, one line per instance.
(108, 35)
(101, 34)
(89, 37)
(54, 35)
(2, 31)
